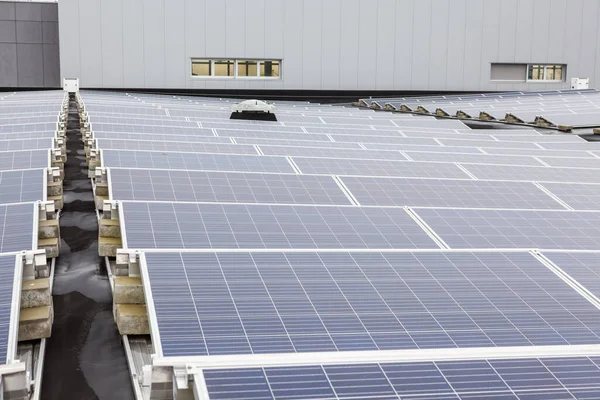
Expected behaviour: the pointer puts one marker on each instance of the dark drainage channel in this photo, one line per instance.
(84, 356)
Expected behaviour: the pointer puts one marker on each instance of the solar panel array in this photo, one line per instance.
(28, 129)
(336, 231)
(564, 110)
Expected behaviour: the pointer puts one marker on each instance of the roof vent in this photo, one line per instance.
(254, 110)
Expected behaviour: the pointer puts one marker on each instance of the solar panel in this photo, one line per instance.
(508, 379)
(298, 143)
(239, 303)
(21, 186)
(472, 158)
(448, 193)
(160, 129)
(160, 138)
(18, 128)
(578, 196)
(16, 227)
(487, 143)
(194, 161)
(25, 144)
(200, 186)
(543, 174)
(26, 159)
(540, 153)
(27, 135)
(7, 277)
(583, 267)
(217, 148)
(234, 226)
(267, 134)
(331, 153)
(430, 149)
(464, 229)
(386, 139)
(572, 162)
(338, 166)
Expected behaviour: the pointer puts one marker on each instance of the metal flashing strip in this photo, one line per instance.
(434, 236)
(13, 330)
(346, 191)
(152, 318)
(556, 198)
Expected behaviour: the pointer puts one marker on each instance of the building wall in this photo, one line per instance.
(435, 45)
(29, 54)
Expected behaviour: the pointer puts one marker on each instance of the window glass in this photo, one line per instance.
(201, 67)
(269, 68)
(554, 73)
(224, 68)
(536, 72)
(247, 68)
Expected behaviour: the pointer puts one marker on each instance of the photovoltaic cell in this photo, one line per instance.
(572, 162)
(542, 174)
(232, 226)
(21, 186)
(431, 149)
(408, 169)
(16, 227)
(528, 229)
(509, 379)
(298, 143)
(215, 148)
(583, 267)
(194, 161)
(25, 144)
(240, 303)
(331, 153)
(577, 195)
(160, 129)
(448, 193)
(26, 159)
(7, 277)
(161, 138)
(200, 186)
(473, 158)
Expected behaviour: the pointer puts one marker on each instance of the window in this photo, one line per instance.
(541, 72)
(231, 68)
(201, 67)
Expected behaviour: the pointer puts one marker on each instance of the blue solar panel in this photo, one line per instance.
(235, 187)
(583, 267)
(16, 227)
(510, 379)
(26, 159)
(529, 229)
(21, 186)
(7, 276)
(194, 161)
(231, 226)
(578, 196)
(239, 303)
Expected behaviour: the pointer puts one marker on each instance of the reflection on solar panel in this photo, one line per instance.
(509, 379)
(515, 229)
(16, 227)
(448, 193)
(237, 303)
(201, 226)
(217, 148)
(583, 267)
(7, 276)
(334, 166)
(578, 196)
(25, 159)
(194, 161)
(200, 186)
(542, 174)
(21, 186)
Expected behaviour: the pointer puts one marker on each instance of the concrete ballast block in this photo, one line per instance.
(55, 188)
(132, 319)
(128, 290)
(101, 189)
(51, 245)
(36, 323)
(36, 293)
(107, 246)
(110, 228)
(49, 229)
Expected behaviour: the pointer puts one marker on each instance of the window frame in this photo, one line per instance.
(236, 65)
(545, 68)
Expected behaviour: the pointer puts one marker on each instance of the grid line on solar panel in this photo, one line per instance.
(7, 276)
(504, 229)
(24, 159)
(21, 186)
(578, 196)
(570, 162)
(200, 186)
(173, 146)
(538, 174)
(582, 267)
(448, 193)
(170, 130)
(160, 138)
(332, 153)
(297, 143)
(473, 158)
(16, 227)
(248, 226)
(194, 161)
(242, 303)
(509, 379)
(25, 144)
(409, 169)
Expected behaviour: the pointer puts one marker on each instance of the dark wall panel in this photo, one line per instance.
(29, 52)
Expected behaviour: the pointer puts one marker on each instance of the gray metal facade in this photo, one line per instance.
(29, 55)
(328, 44)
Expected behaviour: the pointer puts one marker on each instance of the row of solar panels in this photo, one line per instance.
(262, 263)
(561, 110)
